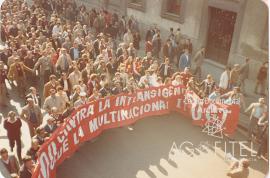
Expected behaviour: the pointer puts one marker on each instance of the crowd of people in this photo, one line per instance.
(60, 56)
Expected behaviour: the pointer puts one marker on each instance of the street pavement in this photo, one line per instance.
(158, 147)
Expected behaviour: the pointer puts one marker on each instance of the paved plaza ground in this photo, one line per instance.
(152, 149)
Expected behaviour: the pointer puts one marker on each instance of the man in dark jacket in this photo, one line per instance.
(165, 69)
(27, 167)
(262, 78)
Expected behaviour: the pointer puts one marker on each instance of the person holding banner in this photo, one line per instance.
(234, 97)
(208, 85)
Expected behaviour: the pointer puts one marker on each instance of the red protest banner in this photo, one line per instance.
(90, 120)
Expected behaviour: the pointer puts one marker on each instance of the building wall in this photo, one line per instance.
(152, 15)
(118, 6)
(252, 36)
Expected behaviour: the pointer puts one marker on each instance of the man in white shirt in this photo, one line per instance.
(64, 61)
(34, 95)
(224, 80)
(57, 30)
(128, 37)
(258, 112)
(147, 79)
(75, 76)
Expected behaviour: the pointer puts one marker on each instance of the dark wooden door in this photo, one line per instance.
(220, 34)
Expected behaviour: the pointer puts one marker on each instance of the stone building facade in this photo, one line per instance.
(231, 30)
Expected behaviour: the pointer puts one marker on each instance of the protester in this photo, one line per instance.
(51, 126)
(10, 162)
(165, 70)
(3, 87)
(72, 54)
(235, 76)
(198, 60)
(40, 136)
(184, 60)
(261, 79)
(45, 65)
(264, 136)
(54, 101)
(27, 168)
(17, 72)
(52, 84)
(32, 115)
(13, 126)
(33, 150)
(244, 71)
(234, 97)
(239, 169)
(167, 50)
(34, 96)
(82, 101)
(258, 111)
(186, 75)
(215, 94)
(208, 85)
(224, 81)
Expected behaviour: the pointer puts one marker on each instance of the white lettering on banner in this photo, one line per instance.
(154, 101)
(65, 145)
(211, 110)
(90, 111)
(61, 137)
(77, 135)
(123, 114)
(159, 92)
(120, 101)
(44, 162)
(107, 105)
(75, 120)
(48, 161)
(52, 154)
(93, 125)
(124, 100)
(112, 114)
